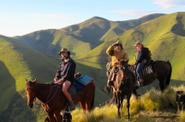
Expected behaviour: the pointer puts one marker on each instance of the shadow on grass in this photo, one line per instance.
(14, 106)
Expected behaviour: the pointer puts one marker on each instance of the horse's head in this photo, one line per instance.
(116, 76)
(30, 93)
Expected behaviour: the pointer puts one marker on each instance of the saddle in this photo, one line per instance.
(148, 68)
(79, 83)
(148, 72)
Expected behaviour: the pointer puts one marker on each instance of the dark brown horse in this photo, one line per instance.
(161, 71)
(122, 85)
(54, 101)
(123, 81)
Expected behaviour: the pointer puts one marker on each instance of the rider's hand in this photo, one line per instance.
(60, 81)
(55, 80)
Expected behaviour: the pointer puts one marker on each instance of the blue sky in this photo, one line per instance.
(19, 17)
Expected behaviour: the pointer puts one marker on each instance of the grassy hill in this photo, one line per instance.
(86, 35)
(35, 55)
(17, 63)
(161, 35)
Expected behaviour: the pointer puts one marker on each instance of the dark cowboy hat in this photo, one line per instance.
(64, 50)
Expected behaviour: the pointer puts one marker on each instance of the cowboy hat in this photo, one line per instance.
(63, 50)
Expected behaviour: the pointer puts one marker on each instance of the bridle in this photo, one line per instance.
(30, 89)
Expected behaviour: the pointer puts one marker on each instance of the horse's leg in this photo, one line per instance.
(58, 116)
(90, 100)
(128, 106)
(119, 109)
(118, 105)
(88, 105)
(135, 93)
(83, 105)
(87, 100)
(161, 83)
(51, 117)
(113, 99)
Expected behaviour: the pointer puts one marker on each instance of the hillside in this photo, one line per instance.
(18, 63)
(86, 35)
(162, 35)
(34, 55)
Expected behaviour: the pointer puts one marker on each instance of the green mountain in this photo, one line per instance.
(165, 36)
(17, 63)
(34, 55)
(86, 35)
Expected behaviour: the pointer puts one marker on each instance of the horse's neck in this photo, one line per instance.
(42, 91)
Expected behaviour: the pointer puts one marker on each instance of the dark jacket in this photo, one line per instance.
(66, 71)
(145, 54)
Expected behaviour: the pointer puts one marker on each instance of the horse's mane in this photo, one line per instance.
(36, 85)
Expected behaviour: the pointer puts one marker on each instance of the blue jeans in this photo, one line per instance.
(139, 70)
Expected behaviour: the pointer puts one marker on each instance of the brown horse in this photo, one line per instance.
(123, 81)
(122, 86)
(54, 101)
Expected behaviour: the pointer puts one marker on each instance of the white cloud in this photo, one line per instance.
(131, 14)
(165, 4)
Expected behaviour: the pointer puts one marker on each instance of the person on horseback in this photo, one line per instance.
(117, 53)
(143, 57)
(118, 57)
(65, 74)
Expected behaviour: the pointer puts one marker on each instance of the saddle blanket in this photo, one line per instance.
(81, 82)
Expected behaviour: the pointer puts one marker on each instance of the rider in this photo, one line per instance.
(143, 57)
(65, 74)
(118, 56)
(117, 53)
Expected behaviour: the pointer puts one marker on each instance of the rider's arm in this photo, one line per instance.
(57, 75)
(110, 50)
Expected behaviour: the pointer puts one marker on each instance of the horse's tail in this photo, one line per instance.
(169, 74)
(93, 95)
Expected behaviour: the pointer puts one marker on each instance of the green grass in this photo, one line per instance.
(19, 60)
(182, 116)
(151, 106)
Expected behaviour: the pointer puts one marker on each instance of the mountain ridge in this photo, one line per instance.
(35, 55)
